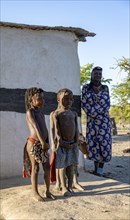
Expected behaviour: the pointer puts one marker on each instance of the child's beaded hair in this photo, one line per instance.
(29, 94)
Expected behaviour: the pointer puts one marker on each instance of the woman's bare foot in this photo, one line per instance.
(49, 195)
(78, 186)
(37, 197)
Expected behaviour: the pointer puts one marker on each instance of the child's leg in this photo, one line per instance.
(34, 175)
(69, 173)
(65, 192)
(34, 180)
(58, 183)
(46, 168)
(76, 185)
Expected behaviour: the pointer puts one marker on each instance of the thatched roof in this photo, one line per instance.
(79, 32)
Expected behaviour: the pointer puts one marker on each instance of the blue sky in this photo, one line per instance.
(109, 19)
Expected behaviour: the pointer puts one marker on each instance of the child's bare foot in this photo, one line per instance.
(71, 191)
(78, 186)
(58, 188)
(49, 195)
(37, 197)
(66, 193)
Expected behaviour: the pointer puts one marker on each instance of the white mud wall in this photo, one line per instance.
(46, 59)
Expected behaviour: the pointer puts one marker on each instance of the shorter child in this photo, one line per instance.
(36, 148)
(64, 135)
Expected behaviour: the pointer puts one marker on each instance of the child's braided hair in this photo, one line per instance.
(29, 94)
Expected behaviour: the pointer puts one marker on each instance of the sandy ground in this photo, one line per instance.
(103, 198)
(119, 166)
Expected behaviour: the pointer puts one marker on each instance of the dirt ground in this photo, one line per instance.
(119, 166)
(104, 198)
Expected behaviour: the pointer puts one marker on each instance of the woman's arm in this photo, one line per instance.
(86, 105)
(84, 99)
(104, 101)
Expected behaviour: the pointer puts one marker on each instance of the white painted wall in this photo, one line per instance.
(46, 59)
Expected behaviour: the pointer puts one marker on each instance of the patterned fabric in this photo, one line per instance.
(66, 157)
(36, 151)
(40, 155)
(98, 129)
(27, 164)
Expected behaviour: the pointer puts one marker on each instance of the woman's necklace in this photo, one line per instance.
(96, 88)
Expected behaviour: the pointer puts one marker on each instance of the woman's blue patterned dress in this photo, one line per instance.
(98, 129)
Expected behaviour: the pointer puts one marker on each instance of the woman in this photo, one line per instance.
(96, 103)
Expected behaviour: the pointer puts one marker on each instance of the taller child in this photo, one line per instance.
(37, 145)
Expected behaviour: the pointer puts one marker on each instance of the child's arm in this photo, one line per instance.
(83, 145)
(76, 139)
(32, 121)
(57, 128)
(52, 132)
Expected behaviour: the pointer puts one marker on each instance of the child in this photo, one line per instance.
(64, 135)
(54, 175)
(36, 148)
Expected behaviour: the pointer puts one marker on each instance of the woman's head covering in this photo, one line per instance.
(95, 68)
